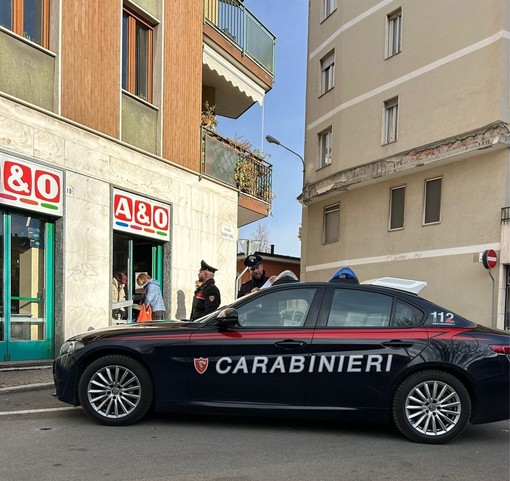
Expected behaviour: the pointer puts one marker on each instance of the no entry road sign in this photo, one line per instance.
(489, 259)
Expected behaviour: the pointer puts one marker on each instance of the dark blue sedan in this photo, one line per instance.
(354, 352)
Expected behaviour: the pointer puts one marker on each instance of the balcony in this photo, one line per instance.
(504, 251)
(235, 164)
(505, 215)
(242, 28)
(238, 57)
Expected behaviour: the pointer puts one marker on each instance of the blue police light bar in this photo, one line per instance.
(345, 274)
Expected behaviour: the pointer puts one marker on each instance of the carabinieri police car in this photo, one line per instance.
(338, 350)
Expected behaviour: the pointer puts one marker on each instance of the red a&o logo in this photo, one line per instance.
(140, 215)
(31, 186)
(23, 180)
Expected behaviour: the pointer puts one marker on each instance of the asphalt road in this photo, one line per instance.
(43, 439)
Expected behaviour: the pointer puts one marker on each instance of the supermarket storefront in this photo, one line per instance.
(31, 199)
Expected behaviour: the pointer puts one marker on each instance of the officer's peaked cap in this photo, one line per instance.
(204, 266)
(253, 260)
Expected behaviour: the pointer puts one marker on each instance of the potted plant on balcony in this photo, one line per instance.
(209, 116)
(245, 176)
(250, 172)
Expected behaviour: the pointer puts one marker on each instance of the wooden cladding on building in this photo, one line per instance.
(182, 73)
(91, 64)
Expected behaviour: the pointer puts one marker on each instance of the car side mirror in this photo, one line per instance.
(228, 317)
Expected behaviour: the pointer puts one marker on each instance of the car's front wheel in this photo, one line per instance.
(116, 390)
(431, 407)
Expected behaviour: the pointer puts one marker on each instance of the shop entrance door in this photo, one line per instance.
(26, 297)
(131, 256)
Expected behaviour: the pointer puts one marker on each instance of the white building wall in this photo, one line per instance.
(202, 211)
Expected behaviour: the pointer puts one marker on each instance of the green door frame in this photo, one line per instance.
(157, 263)
(26, 350)
(156, 267)
(6, 282)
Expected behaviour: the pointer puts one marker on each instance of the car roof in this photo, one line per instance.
(408, 286)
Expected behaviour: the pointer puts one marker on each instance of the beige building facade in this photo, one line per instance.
(407, 147)
(110, 162)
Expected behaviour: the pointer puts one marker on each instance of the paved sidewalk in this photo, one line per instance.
(25, 377)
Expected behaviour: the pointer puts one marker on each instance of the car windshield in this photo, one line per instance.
(211, 315)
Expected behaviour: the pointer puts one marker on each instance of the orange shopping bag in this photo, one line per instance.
(145, 314)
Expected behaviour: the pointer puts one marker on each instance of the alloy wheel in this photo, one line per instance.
(114, 391)
(433, 408)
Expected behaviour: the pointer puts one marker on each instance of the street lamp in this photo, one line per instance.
(272, 140)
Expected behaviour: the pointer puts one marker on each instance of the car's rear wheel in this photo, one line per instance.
(116, 390)
(431, 407)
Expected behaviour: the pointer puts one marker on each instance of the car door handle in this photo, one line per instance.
(289, 344)
(396, 344)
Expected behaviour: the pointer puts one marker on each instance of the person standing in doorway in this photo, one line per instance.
(119, 295)
(207, 296)
(152, 296)
(258, 275)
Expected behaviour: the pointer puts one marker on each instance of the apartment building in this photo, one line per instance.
(110, 163)
(407, 147)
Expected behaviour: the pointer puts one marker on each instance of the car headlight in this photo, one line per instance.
(70, 346)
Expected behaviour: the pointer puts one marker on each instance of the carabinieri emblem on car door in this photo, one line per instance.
(201, 364)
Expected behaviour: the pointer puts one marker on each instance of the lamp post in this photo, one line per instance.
(272, 140)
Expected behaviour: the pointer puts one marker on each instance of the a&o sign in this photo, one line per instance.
(141, 216)
(30, 186)
(489, 259)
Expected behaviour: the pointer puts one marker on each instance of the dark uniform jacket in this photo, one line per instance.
(249, 285)
(206, 299)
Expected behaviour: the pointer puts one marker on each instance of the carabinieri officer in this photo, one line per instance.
(207, 296)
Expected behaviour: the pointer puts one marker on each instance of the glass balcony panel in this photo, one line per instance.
(242, 28)
(226, 160)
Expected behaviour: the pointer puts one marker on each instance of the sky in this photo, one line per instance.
(283, 117)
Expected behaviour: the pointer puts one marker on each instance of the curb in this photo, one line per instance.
(11, 368)
(26, 377)
(27, 387)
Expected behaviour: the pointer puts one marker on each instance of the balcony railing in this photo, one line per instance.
(228, 161)
(241, 27)
(505, 215)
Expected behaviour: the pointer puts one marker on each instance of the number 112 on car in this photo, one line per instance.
(441, 317)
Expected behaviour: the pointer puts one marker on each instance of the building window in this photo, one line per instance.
(432, 207)
(328, 7)
(331, 224)
(137, 48)
(397, 206)
(394, 33)
(327, 72)
(28, 18)
(390, 121)
(325, 142)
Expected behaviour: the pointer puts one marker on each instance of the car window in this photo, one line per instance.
(287, 308)
(406, 315)
(353, 308)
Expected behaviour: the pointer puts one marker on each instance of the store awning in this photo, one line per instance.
(231, 74)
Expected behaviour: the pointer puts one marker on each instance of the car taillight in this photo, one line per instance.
(501, 349)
